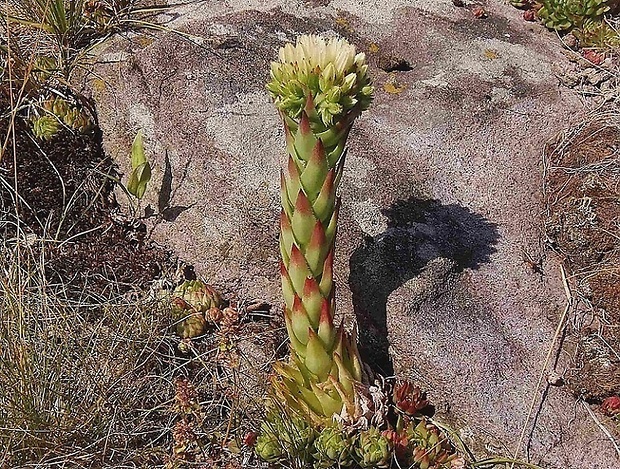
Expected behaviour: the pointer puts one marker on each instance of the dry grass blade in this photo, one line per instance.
(602, 427)
(543, 371)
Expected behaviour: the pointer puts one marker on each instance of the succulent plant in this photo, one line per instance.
(185, 397)
(399, 443)
(428, 448)
(611, 406)
(185, 441)
(597, 33)
(97, 13)
(190, 302)
(45, 127)
(44, 67)
(71, 116)
(409, 398)
(198, 296)
(297, 436)
(319, 86)
(373, 449)
(57, 106)
(268, 446)
(563, 15)
(189, 324)
(333, 448)
(285, 435)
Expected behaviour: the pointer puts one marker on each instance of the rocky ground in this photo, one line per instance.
(441, 253)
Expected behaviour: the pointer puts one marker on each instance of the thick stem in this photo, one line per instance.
(308, 234)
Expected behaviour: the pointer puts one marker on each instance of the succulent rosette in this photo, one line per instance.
(373, 449)
(285, 435)
(45, 127)
(268, 447)
(197, 295)
(71, 116)
(297, 436)
(409, 398)
(332, 448)
(611, 406)
(428, 446)
(190, 302)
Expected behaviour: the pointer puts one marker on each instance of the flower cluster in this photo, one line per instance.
(329, 71)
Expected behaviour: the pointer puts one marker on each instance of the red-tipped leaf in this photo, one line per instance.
(317, 360)
(317, 249)
(304, 138)
(298, 270)
(326, 200)
(316, 170)
(327, 331)
(326, 283)
(299, 321)
(312, 300)
(303, 220)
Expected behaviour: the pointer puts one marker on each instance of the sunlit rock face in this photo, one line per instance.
(441, 198)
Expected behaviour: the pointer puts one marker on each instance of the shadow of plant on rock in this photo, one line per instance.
(166, 211)
(418, 231)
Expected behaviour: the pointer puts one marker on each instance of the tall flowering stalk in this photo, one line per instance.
(322, 411)
(319, 87)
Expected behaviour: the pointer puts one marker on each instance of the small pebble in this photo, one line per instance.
(570, 42)
(555, 379)
(458, 3)
(479, 12)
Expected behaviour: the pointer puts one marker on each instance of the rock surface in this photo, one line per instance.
(441, 196)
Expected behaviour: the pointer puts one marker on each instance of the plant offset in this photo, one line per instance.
(584, 18)
(323, 410)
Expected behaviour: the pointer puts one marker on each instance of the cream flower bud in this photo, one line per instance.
(349, 82)
(328, 77)
(360, 59)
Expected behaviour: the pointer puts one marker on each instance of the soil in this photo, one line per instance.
(67, 210)
(583, 226)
